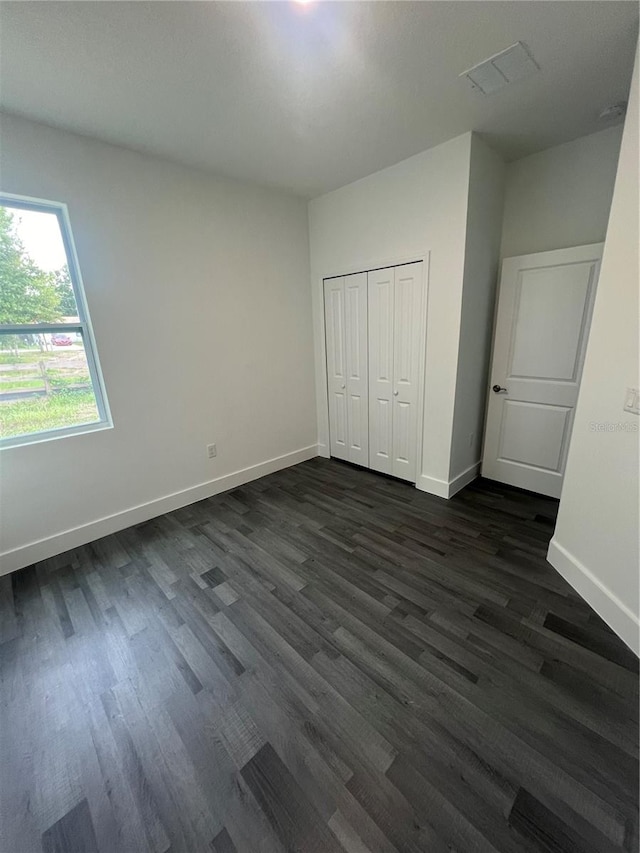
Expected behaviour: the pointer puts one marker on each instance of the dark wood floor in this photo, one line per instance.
(323, 660)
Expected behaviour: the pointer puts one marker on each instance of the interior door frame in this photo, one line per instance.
(490, 379)
(423, 257)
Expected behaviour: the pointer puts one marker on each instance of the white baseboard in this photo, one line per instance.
(448, 488)
(42, 549)
(608, 606)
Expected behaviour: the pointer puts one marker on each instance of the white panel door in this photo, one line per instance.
(407, 338)
(542, 325)
(355, 301)
(381, 308)
(334, 316)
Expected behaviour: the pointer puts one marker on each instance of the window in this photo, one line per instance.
(50, 381)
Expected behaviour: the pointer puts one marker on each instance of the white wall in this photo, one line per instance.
(401, 213)
(198, 292)
(595, 545)
(483, 230)
(560, 197)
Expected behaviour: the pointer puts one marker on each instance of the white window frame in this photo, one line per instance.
(83, 326)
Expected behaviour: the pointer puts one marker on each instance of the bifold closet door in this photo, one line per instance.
(355, 310)
(395, 345)
(408, 323)
(381, 288)
(345, 302)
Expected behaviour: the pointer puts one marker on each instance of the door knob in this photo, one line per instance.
(342, 386)
(395, 393)
(498, 389)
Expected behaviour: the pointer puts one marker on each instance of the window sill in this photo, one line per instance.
(54, 435)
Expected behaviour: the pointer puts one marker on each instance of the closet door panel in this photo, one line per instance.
(334, 314)
(407, 326)
(355, 299)
(381, 355)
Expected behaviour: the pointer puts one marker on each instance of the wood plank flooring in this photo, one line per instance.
(323, 660)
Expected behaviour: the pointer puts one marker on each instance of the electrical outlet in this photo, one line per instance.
(212, 451)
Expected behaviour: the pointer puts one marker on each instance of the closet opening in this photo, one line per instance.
(375, 331)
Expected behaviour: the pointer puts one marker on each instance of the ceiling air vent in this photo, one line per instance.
(510, 65)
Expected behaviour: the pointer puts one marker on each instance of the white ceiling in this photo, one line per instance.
(308, 98)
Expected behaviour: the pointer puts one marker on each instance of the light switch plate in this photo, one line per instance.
(632, 401)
